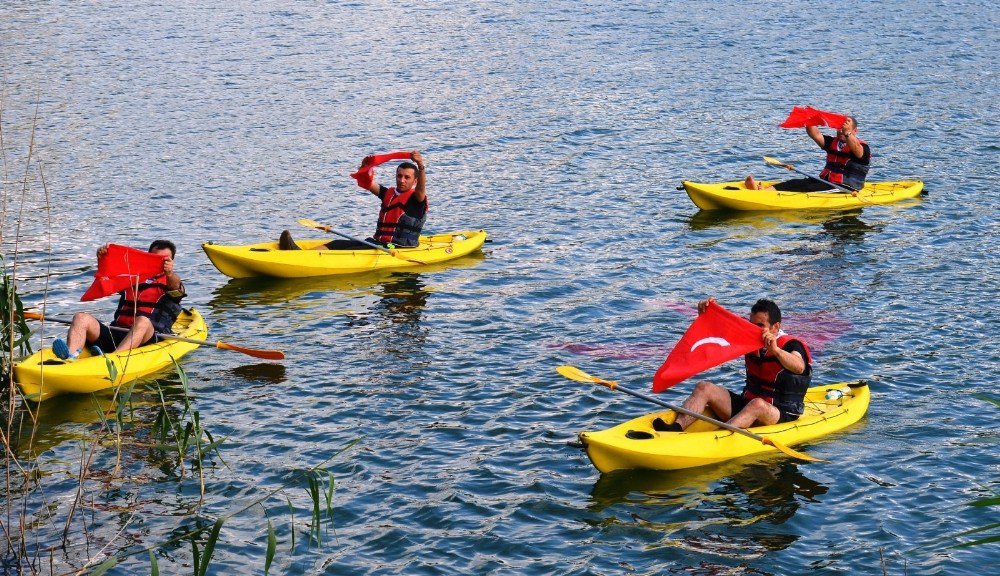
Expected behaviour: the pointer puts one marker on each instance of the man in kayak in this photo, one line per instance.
(142, 312)
(401, 217)
(847, 160)
(777, 378)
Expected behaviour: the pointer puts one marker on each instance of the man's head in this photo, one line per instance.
(159, 246)
(850, 126)
(406, 176)
(766, 314)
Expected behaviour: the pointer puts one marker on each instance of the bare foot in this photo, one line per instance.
(751, 184)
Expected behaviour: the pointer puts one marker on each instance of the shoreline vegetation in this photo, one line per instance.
(77, 511)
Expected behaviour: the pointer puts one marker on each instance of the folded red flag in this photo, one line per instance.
(802, 116)
(121, 267)
(716, 336)
(366, 173)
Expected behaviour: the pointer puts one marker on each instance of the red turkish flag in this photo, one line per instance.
(716, 336)
(121, 267)
(366, 173)
(802, 116)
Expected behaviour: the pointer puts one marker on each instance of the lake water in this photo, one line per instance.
(563, 128)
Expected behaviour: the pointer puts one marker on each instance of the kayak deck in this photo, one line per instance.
(636, 445)
(736, 196)
(43, 375)
(265, 259)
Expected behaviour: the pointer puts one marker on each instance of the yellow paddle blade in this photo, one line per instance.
(776, 162)
(312, 224)
(574, 373)
(789, 451)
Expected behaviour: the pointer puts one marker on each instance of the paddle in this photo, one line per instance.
(574, 373)
(776, 162)
(325, 228)
(265, 354)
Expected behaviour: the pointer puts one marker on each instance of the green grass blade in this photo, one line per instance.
(195, 554)
(154, 566)
(987, 398)
(994, 501)
(105, 566)
(112, 369)
(272, 546)
(206, 555)
(291, 514)
(987, 540)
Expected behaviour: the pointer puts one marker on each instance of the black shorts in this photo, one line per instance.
(739, 403)
(355, 245)
(346, 245)
(110, 339)
(805, 185)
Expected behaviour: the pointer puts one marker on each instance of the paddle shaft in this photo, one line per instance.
(267, 354)
(806, 174)
(365, 242)
(325, 228)
(718, 423)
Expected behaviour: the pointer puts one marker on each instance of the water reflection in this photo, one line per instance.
(264, 373)
(843, 226)
(393, 319)
(59, 420)
(401, 297)
(848, 228)
(74, 417)
(763, 220)
(717, 507)
(242, 292)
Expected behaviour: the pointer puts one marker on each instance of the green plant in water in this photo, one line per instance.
(982, 502)
(185, 432)
(15, 338)
(320, 487)
(315, 487)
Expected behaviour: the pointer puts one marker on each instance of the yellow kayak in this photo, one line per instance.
(736, 196)
(42, 375)
(636, 445)
(265, 259)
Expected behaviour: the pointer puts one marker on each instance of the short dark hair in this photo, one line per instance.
(854, 121)
(765, 305)
(161, 244)
(409, 165)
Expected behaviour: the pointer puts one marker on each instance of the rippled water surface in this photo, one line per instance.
(563, 129)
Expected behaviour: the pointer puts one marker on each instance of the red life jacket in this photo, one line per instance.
(152, 300)
(769, 380)
(394, 224)
(841, 165)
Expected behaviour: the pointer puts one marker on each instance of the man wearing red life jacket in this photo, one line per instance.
(777, 378)
(847, 161)
(401, 216)
(146, 310)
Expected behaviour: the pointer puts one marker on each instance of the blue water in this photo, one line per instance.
(563, 128)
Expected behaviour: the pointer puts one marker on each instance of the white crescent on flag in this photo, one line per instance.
(711, 340)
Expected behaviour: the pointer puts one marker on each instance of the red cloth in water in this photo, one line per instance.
(366, 173)
(716, 336)
(802, 116)
(121, 267)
